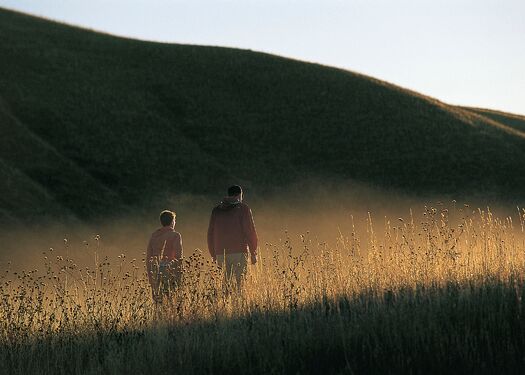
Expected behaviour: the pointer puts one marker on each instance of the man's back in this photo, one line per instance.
(231, 229)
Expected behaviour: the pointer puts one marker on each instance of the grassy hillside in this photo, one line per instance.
(91, 122)
(515, 121)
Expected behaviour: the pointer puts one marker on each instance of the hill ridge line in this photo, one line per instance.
(499, 125)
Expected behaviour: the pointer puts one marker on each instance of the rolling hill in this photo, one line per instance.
(91, 123)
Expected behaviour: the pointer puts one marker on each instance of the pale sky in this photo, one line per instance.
(467, 52)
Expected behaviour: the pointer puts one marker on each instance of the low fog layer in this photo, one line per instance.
(323, 214)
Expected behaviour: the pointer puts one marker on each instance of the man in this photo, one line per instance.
(164, 257)
(232, 235)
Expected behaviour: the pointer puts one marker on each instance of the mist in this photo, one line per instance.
(322, 212)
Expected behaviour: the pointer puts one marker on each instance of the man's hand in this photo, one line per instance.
(254, 258)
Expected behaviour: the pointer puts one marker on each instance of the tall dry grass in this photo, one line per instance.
(438, 292)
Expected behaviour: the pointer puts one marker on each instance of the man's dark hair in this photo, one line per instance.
(166, 217)
(234, 190)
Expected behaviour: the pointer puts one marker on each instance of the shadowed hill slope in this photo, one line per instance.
(515, 121)
(91, 122)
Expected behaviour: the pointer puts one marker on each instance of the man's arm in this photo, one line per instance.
(211, 228)
(250, 233)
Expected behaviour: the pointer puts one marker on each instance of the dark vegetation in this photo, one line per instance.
(91, 122)
(455, 329)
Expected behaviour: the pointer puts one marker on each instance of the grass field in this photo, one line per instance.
(92, 125)
(437, 292)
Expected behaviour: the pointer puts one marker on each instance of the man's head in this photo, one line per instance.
(167, 218)
(235, 191)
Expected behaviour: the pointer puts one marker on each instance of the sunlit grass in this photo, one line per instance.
(442, 289)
